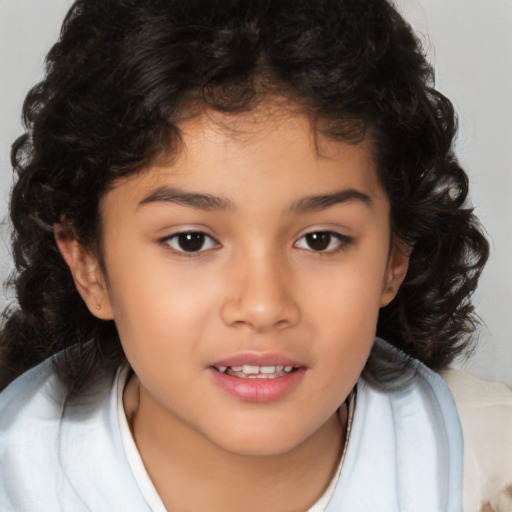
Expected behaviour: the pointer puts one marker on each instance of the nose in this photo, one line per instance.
(261, 295)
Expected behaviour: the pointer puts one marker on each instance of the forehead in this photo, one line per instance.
(271, 151)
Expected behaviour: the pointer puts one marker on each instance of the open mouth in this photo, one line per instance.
(247, 371)
(263, 378)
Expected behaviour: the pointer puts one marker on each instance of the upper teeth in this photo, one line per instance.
(248, 369)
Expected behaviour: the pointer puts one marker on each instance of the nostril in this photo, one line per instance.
(281, 324)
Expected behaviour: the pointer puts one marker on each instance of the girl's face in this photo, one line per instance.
(246, 277)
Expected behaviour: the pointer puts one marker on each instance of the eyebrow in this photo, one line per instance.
(199, 200)
(204, 201)
(320, 202)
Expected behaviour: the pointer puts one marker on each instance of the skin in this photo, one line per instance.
(257, 285)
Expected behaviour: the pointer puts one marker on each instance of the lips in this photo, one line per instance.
(257, 377)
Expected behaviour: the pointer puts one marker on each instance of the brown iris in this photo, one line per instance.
(318, 241)
(191, 242)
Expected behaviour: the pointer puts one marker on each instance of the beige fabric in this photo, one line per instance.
(485, 410)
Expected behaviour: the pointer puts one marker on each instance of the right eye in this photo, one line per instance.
(190, 242)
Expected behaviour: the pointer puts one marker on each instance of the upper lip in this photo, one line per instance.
(257, 359)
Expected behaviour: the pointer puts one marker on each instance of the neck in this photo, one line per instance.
(191, 473)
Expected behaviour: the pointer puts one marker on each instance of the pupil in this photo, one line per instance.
(318, 241)
(191, 242)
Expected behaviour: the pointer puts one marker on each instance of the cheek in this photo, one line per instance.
(348, 333)
(159, 304)
(348, 292)
(344, 306)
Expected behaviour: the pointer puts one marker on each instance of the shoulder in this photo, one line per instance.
(35, 397)
(48, 442)
(30, 412)
(485, 412)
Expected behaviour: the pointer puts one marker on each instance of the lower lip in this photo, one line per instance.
(258, 390)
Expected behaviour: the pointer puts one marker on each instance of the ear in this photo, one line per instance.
(87, 274)
(398, 263)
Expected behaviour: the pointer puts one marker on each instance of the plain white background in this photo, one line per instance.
(470, 44)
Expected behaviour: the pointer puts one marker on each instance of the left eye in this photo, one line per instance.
(191, 241)
(322, 241)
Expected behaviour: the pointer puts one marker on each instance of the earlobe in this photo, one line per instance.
(87, 274)
(396, 271)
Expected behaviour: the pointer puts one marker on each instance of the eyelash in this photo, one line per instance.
(342, 241)
(200, 238)
(180, 237)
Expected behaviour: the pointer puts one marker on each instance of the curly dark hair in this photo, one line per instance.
(117, 83)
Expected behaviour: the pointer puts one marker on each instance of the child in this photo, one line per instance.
(218, 208)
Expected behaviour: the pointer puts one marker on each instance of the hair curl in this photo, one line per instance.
(116, 85)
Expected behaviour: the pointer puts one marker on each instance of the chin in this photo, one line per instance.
(260, 442)
(261, 449)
